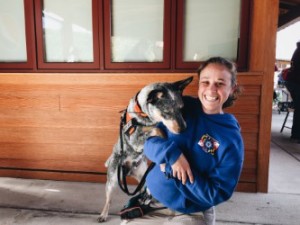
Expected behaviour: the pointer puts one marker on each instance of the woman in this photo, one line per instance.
(200, 167)
(293, 85)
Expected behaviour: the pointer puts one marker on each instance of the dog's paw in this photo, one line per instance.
(157, 132)
(101, 219)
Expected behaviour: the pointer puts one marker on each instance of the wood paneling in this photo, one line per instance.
(246, 187)
(64, 126)
(262, 58)
(66, 123)
(52, 175)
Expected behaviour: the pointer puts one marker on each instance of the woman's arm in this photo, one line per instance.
(217, 185)
(162, 151)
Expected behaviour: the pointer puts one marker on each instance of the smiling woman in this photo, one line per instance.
(214, 88)
(198, 168)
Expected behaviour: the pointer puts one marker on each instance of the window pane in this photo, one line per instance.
(12, 31)
(211, 28)
(68, 30)
(137, 31)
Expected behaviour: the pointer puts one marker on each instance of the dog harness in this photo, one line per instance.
(129, 123)
(128, 126)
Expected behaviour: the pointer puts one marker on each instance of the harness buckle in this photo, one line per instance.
(130, 127)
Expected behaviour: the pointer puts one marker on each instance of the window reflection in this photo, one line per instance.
(211, 28)
(137, 31)
(12, 31)
(68, 33)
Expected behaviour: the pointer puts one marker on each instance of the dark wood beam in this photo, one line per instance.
(289, 16)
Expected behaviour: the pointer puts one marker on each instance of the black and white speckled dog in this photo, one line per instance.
(157, 102)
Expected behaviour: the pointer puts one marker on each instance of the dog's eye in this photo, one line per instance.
(160, 94)
(154, 96)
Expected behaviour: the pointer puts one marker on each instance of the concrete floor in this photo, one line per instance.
(43, 202)
(284, 174)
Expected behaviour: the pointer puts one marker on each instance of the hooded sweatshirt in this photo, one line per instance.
(213, 146)
(294, 75)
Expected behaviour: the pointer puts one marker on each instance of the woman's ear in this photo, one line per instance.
(233, 89)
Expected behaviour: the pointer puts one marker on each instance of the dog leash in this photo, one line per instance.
(123, 185)
(122, 170)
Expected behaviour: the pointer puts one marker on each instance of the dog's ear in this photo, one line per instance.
(181, 84)
(154, 95)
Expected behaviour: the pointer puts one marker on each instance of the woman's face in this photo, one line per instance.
(214, 88)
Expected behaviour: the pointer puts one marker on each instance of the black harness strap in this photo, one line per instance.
(123, 185)
(122, 170)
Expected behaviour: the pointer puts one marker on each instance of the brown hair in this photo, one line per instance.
(230, 66)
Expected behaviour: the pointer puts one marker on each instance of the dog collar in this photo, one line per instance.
(131, 123)
(137, 108)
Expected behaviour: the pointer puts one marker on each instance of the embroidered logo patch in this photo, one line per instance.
(209, 144)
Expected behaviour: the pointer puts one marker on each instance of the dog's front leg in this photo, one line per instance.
(111, 182)
(108, 191)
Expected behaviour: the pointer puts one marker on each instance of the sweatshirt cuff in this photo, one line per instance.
(172, 154)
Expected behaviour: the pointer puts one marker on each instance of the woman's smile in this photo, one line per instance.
(214, 88)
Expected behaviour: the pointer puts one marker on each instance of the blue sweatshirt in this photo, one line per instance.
(213, 146)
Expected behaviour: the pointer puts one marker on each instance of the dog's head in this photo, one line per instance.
(162, 102)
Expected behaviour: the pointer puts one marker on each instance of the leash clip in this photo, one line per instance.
(130, 126)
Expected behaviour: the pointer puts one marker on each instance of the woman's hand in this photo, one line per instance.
(181, 170)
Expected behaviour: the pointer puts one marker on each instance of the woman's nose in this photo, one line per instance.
(213, 87)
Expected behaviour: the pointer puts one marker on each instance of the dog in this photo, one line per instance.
(156, 102)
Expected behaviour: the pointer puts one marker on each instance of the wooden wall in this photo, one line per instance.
(63, 126)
